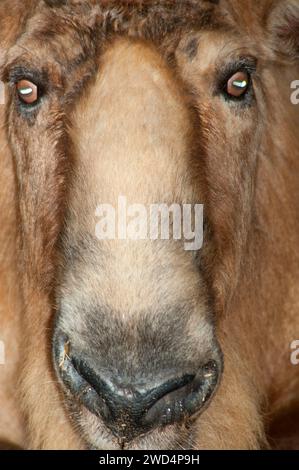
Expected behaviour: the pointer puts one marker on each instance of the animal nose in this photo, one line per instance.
(132, 408)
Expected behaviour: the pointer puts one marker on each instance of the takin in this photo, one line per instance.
(120, 343)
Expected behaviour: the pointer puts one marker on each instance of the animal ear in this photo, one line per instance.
(284, 28)
(55, 3)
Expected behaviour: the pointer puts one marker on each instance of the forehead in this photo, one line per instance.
(81, 27)
(79, 31)
(150, 18)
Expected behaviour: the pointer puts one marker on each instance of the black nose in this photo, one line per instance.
(130, 408)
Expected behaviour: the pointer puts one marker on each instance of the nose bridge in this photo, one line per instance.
(133, 126)
(132, 138)
(131, 135)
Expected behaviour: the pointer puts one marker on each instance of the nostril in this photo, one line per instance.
(189, 397)
(65, 366)
(155, 394)
(76, 377)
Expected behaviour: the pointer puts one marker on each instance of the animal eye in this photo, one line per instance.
(238, 84)
(27, 92)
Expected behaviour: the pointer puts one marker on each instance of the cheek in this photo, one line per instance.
(40, 170)
(231, 131)
(39, 148)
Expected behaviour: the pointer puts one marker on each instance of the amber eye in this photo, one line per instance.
(27, 91)
(238, 84)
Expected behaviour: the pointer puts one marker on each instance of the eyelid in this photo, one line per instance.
(19, 72)
(246, 64)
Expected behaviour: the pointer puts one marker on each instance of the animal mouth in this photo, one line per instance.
(133, 413)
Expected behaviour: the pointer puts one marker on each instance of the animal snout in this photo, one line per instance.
(132, 406)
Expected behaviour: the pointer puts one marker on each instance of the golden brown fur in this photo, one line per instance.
(251, 264)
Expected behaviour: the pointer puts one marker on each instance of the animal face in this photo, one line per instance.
(160, 103)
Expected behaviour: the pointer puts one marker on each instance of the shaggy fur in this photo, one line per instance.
(242, 163)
